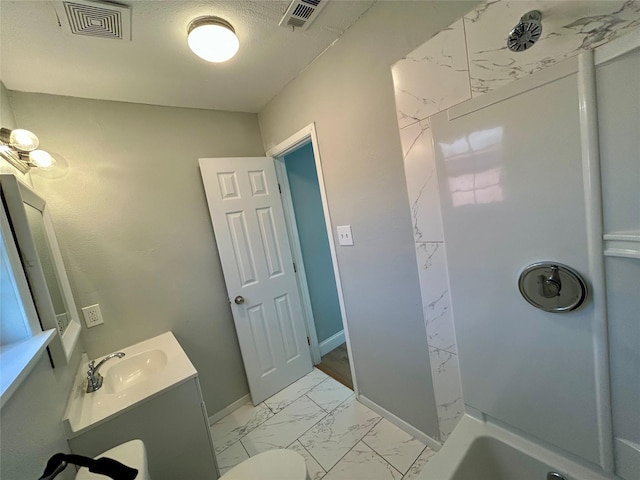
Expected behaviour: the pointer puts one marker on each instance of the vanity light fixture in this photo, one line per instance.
(212, 39)
(19, 147)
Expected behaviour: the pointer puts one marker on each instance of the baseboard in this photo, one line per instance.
(229, 409)
(331, 343)
(401, 424)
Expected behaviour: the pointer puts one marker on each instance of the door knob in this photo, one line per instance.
(239, 300)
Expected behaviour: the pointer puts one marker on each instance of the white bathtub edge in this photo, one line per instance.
(444, 463)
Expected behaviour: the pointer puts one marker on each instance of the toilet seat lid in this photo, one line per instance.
(271, 465)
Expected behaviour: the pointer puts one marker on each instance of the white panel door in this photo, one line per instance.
(248, 220)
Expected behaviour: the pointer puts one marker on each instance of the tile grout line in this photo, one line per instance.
(416, 460)
(270, 410)
(354, 446)
(297, 398)
(303, 433)
(247, 433)
(314, 458)
(383, 458)
(239, 440)
(244, 448)
(334, 408)
(319, 420)
(316, 403)
(298, 438)
(381, 455)
(323, 417)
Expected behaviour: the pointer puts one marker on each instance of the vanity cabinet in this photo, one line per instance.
(174, 428)
(153, 394)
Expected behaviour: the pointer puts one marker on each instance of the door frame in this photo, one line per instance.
(301, 137)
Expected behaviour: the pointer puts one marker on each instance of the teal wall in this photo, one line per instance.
(307, 204)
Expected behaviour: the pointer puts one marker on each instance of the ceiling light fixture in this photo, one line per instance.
(212, 39)
(19, 148)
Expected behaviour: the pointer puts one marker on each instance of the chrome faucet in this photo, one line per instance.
(94, 379)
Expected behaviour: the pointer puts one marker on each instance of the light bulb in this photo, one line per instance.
(23, 140)
(42, 159)
(212, 39)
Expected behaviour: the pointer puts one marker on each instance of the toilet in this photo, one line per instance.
(270, 465)
(132, 454)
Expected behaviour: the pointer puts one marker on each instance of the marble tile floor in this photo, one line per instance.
(320, 418)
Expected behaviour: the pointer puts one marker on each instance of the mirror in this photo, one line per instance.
(22, 341)
(43, 249)
(42, 263)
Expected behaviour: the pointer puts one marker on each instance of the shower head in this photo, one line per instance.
(526, 32)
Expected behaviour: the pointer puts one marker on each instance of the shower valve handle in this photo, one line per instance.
(550, 286)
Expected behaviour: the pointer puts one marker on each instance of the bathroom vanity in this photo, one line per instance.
(152, 394)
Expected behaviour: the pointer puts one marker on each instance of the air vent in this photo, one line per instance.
(301, 13)
(95, 18)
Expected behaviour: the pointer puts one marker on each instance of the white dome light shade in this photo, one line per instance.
(42, 159)
(212, 39)
(23, 140)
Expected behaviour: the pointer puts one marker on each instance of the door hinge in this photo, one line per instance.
(295, 269)
(279, 189)
(308, 341)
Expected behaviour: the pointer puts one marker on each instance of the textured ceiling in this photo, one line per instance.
(157, 67)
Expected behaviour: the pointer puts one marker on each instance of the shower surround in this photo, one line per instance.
(469, 59)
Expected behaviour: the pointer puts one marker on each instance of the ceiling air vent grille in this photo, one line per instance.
(301, 13)
(95, 19)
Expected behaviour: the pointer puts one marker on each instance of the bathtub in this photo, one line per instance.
(481, 450)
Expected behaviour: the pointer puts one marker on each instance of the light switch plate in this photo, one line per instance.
(344, 235)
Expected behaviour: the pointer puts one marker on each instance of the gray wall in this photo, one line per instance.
(133, 224)
(31, 427)
(348, 93)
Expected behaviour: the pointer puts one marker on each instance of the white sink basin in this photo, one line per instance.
(147, 369)
(128, 371)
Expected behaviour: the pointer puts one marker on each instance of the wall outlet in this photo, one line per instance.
(62, 322)
(344, 235)
(92, 315)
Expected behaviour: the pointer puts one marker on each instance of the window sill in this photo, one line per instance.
(18, 359)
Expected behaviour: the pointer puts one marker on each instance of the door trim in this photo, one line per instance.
(296, 140)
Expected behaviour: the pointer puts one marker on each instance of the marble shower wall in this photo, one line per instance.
(464, 61)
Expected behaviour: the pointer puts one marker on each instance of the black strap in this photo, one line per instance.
(104, 466)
